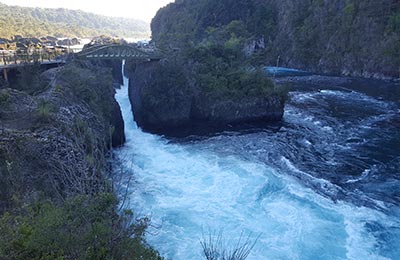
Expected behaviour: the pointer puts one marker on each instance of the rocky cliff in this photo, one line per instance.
(358, 38)
(167, 99)
(58, 194)
(56, 131)
(206, 77)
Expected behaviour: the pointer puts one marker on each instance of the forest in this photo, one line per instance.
(37, 22)
(358, 38)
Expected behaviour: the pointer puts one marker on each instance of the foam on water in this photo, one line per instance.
(188, 190)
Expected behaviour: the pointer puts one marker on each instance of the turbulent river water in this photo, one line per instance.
(325, 185)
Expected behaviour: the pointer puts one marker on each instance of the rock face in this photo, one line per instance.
(179, 106)
(54, 142)
(237, 111)
(155, 107)
(117, 121)
(114, 65)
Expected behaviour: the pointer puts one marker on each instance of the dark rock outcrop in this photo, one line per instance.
(155, 107)
(118, 131)
(180, 107)
(116, 69)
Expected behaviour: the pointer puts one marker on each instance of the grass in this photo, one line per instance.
(215, 248)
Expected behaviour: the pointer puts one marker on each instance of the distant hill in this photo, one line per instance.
(36, 22)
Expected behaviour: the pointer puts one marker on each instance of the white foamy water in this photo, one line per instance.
(188, 190)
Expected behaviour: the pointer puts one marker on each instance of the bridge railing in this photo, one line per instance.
(117, 51)
(9, 58)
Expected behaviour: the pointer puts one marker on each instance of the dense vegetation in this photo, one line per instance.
(37, 22)
(83, 227)
(222, 69)
(58, 194)
(340, 36)
(210, 54)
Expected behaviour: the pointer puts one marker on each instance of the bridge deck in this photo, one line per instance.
(21, 64)
(118, 51)
(106, 51)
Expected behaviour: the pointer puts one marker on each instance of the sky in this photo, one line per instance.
(139, 9)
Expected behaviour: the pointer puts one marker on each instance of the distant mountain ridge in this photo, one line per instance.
(36, 22)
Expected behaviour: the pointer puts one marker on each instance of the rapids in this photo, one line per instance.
(324, 186)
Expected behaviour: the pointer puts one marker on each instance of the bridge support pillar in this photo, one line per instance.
(5, 74)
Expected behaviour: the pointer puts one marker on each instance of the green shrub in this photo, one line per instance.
(94, 88)
(84, 133)
(349, 9)
(58, 88)
(5, 98)
(215, 248)
(221, 72)
(82, 228)
(44, 110)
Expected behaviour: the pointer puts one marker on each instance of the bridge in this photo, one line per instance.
(45, 64)
(118, 51)
(103, 51)
(14, 59)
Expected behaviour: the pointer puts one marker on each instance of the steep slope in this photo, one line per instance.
(35, 22)
(347, 37)
(58, 190)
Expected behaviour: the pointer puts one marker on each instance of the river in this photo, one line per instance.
(325, 185)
